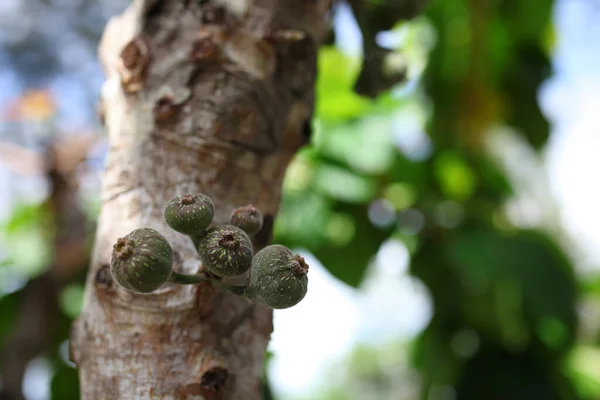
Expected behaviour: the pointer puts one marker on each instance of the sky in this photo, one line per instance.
(570, 99)
(572, 102)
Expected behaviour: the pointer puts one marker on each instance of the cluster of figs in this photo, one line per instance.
(142, 261)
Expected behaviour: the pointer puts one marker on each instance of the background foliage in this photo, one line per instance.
(418, 164)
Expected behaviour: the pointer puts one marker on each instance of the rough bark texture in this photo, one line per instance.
(201, 96)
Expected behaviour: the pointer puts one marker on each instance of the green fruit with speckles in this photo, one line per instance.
(248, 219)
(277, 277)
(142, 261)
(190, 214)
(225, 250)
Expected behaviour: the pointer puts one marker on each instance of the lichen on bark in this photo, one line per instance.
(200, 97)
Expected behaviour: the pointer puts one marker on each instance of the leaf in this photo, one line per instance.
(25, 236)
(494, 182)
(29, 252)
(364, 146)
(341, 184)
(529, 69)
(65, 384)
(349, 262)
(341, 235)
(528, 20)
(497, 374)
(25, 216)
(9, 310)
(409, 172)
(433, 355)
(336, 100)
(71, 299)
(538, 272)
(455, 177)
(302, 218)
(583, 365)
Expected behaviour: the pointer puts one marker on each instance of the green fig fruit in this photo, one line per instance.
(248, 219)
(225, 250)
(278, 277)
(142, 261)
(190, 214)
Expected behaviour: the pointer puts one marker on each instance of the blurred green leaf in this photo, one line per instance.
(26, 238)
(591, 285)
(9, 309)
(409, 172)
(302, 219)
(365, 145)
(539, 273)
(28, 251)
(400, 195)
(455, 177)
(25, 215)
(341, 184)
(583, 365)
(301, 171)
(71, 299)
(64, 384)
(350, 261)
(528, 70)
(527, 20)
(494, 182)
(335, 98)
(497, 374)
(433, 355)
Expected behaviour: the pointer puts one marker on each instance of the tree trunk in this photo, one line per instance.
(201, 96)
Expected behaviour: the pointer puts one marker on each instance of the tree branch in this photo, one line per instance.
(39, 306)
(199, 97)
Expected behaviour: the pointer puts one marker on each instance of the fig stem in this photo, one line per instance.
(186, 279)
(196, 239)
(235, 289)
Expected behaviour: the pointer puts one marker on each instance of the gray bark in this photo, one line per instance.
(200, 96)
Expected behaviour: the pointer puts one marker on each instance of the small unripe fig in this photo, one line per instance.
(278, 277)
(142, 261)
(225, 250)
(248, 219)
(190, 214)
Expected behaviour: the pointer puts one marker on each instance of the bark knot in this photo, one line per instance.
(135, 58)
(103, 277)
(214, 379)
(164, 109)
(205, 46)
